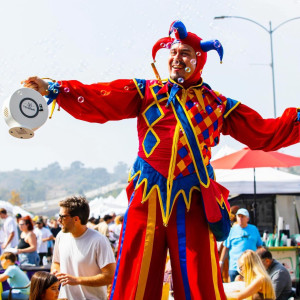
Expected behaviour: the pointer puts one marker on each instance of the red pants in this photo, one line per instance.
(143, 248)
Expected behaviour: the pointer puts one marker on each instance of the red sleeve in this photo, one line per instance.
(100, 102)
(248, 127)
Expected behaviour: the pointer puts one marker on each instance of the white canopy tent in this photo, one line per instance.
(102, 206)
(268, 181)
(13, 209)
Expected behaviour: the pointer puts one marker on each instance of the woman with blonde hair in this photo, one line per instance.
(258, 285)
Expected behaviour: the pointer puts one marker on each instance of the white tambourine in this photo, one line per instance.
(24, 112)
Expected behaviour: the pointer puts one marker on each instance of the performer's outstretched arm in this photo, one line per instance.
(248, 127)
(99, 102)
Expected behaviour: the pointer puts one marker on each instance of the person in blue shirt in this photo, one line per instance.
(242, 236)
(15, 277)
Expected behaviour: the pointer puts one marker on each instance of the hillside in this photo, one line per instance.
(53, 181)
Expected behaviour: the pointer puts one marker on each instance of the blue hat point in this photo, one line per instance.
(213, 45)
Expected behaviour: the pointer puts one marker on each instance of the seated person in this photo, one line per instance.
(258, 285)
(44, 286)
(280, 276)
(15, 277)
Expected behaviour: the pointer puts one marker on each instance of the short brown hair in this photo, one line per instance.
(77, 206)
(10, 256)
(3, 211)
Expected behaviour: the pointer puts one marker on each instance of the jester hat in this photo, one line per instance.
(182, 36)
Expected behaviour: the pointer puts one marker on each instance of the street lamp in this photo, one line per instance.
(270, 32)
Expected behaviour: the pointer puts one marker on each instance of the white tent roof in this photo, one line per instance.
(268, 181)
(13, 209)
(102, 206)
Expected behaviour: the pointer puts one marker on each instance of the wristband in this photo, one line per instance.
(53, 90)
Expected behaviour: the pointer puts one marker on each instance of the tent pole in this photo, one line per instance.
(254, 211)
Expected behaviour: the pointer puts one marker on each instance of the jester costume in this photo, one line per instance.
(174, 202)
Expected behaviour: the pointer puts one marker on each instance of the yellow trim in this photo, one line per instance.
(156, 144)
(160, 117)
(232, 108)
(154, 94)
(191, 87)
(199, 97)
(148, 247)
(196, 138)
(222, 203)
(214, 265)
(187, 202)
(145, 196)
(136, 84)
(162, 114)
(171, 173)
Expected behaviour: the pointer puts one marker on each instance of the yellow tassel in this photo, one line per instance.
(52, 108)
(156, 73)
(54, 101)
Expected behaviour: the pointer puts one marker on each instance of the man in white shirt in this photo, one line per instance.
(83, 260)
(43, 235)
(10, 230)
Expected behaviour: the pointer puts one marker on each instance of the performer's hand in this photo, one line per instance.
(37, 84)
(66, 279)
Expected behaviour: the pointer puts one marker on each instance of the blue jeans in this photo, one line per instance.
(29, 258)
(233, 274)
(14, 296)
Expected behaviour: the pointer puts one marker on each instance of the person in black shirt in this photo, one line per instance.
(281, 279)
(54, 228)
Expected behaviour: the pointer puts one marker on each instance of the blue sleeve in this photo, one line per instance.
(259, 240)
(10, 272)
(141, 86)
(230, 106)
(227, 242)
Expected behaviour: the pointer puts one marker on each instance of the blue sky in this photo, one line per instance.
(94, 41)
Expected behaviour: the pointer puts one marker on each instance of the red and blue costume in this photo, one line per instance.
(172, 182)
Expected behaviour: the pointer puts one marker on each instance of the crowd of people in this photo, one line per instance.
(250, 262)
(82, 252)
(82, 260)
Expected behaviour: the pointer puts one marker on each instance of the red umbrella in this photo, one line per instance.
(247, 158)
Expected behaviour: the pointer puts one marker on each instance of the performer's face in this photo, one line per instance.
(182, 62)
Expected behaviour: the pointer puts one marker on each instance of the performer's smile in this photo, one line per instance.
(180, 65)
